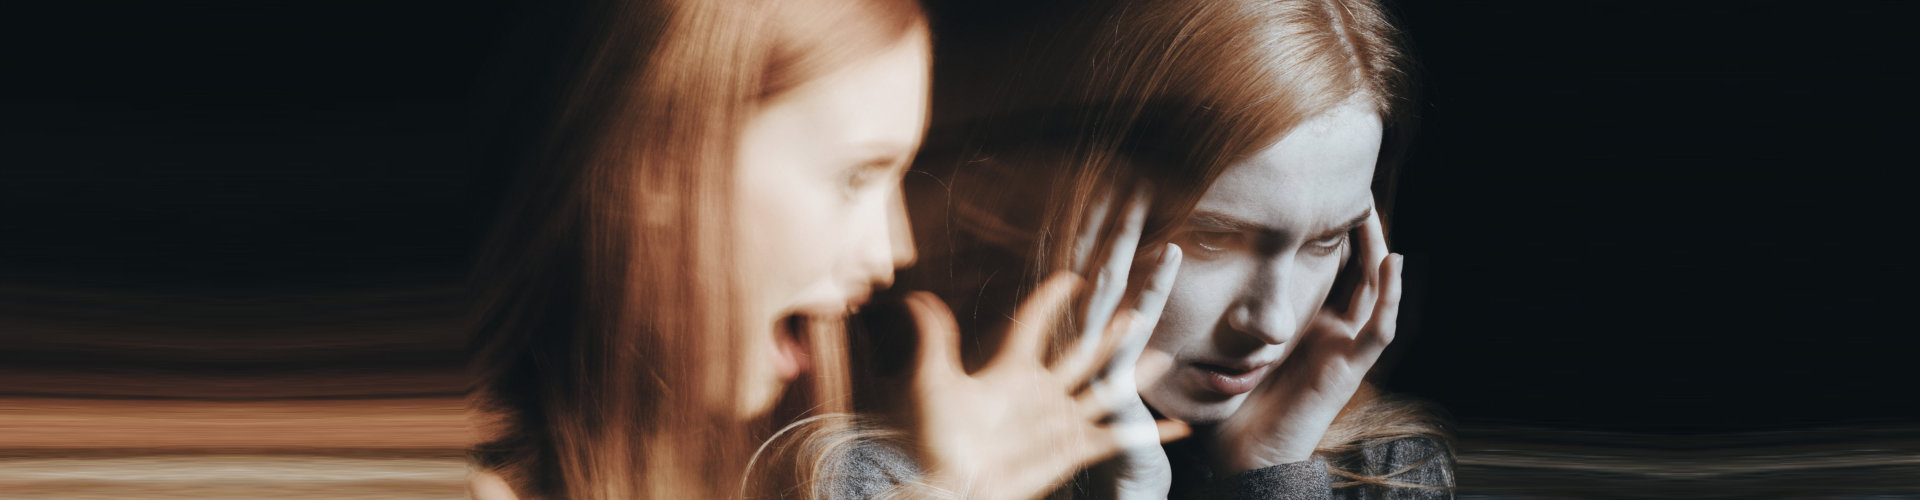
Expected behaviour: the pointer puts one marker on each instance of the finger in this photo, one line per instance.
(1110, 280)
(1121, 249)
(1148, 434)
(1104, 398)
(939, 334)
(1379, 331)
(1028, 335)
(1089, 237)
(1373, 249)
(1083, 363)
(1151, 302)
(1095, 443)
(1172, 430)
(1151, 366)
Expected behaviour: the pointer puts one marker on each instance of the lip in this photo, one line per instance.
(857, 299)
(1230, 379)
(835, 308)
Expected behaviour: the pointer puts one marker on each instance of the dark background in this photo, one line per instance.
(1663, 216)
(1650, 217)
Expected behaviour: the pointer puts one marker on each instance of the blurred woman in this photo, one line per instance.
(721, 186)
(1266, 130)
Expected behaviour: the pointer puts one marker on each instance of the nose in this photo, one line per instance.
(889, 245)
(1262, 310)
(900, 232)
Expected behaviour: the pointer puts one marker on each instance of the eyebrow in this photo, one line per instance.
(1214, 221)
(883, 154)
(1352, 224)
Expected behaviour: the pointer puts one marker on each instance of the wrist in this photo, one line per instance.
(1144, 478)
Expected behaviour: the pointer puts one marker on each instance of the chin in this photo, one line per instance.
(1194, 411)
(758, 399)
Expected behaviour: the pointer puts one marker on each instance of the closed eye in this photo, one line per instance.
(1209, 244)
(866, 174)
(1327, 246)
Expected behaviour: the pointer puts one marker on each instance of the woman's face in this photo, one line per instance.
(821, 220)
(1261, 254)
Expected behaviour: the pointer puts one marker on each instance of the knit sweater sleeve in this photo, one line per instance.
(1412, 468)
(1305, 480)
(872, 468)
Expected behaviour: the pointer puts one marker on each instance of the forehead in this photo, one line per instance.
(879, 98)
(1320, 173)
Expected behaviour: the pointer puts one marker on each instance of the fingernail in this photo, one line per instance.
(1166, 254)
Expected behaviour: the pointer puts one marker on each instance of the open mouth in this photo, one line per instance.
(793, 331)
(792, 355)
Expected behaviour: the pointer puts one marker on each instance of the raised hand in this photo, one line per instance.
(1284, 419)
(1143, 471)
(1017, 427)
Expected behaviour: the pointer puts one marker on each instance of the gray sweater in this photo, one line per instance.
(873, 468)
(1405, 464)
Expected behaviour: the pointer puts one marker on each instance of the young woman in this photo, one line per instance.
(721, 187)
(1265, 129)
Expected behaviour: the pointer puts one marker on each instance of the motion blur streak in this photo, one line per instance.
(302, 395)
(1855, 462)
(233, 476)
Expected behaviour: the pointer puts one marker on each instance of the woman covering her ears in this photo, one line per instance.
(1266, 132)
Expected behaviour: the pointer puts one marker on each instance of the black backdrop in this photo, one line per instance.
(1663, 216)
(1654, 217)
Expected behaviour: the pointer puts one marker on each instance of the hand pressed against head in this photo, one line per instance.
(1262, 251)
(821, 221)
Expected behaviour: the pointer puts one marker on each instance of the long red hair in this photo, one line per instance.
(606, 333)
(1032, 129)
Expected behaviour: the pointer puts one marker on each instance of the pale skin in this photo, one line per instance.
(821, 223)
(821, 220)
(1144, 470)
(824, 223)
(1032, 417)
(1255, 340)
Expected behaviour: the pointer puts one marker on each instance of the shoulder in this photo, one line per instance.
(1306, 479)
(869, 468)
(1411, 467)
(1418, 460)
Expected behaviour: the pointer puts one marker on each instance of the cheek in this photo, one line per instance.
(1200, 297)
(786, 204)
(1310, 293)
(786, 227)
